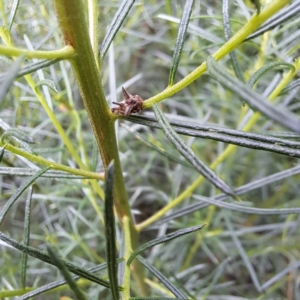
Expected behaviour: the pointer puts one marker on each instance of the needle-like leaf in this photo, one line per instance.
(9, 203)
(189, 154)
(13, 12)
(65, 272)
(184, 22)
(279, 115)
(60, 282)
(239, 191)
(282, 16)
(167, 283)
(227, 32)
(266, 68)
(154, 147)
(249, 210)
(32, 68)
(293, 85)
(163, 239)
(26, 236)
(115, 25)
(45, 258)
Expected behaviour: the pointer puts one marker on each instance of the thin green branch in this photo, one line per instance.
(128, 251)
(53, 165)
(66, 52)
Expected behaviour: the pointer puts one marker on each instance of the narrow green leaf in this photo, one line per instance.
(115, 25)
(292, 267)
(243, 254)
(193, 127)
(60, 282)
(239, 191)
(230, 136)
(42, 256)
(189, 154)
(154, 147)
(10, 77)
(26, 236)
(13, 12)
(65, 272)
(227, 32)
(279, 115)
(49, 83)
(282, 16)
(249, 210)
(9, 203)
(110, 232)
(266, 68)
(32, 68)
(169, 285)
(163, 239)
(184, 22)
(30, 172)
(293, 85)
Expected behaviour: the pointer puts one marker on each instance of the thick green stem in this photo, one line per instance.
(72, 21)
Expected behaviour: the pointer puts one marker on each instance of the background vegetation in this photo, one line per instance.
(248, 249)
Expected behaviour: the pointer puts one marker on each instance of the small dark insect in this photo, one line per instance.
(130, 104)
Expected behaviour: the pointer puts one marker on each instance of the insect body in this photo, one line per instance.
(130, 104)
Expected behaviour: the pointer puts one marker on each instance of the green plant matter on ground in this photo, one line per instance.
(149, 149)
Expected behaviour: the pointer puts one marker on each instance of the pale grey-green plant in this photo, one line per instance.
(146, 197)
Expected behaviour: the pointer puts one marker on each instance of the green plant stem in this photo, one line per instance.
(53, 165)
(13, 293)
(128, 252)
(236, 40)
(74, 28)
(65, 52)
(72, 21)
(93, 27)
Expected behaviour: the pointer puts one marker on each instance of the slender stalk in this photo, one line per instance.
(53, 165)
(65, 52)
(128, 252)
(72, 21)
